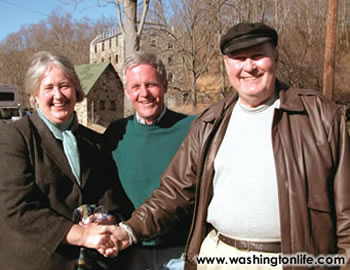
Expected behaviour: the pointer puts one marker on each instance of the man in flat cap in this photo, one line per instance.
(267, 170)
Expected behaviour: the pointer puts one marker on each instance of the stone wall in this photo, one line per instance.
(81, 109)
(105, 48)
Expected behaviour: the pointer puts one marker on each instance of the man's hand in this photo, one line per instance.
(119, 237)
(108, 240)
(96, 236)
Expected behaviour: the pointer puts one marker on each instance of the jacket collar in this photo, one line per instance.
(216, 110)
(51, 146)
(289, 97)
(289, 101)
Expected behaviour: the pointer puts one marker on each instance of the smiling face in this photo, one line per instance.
(56, 96)
(252, 73)
(145, 90)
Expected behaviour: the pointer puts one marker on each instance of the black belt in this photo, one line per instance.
(273, 247)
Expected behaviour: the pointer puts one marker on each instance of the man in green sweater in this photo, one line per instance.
(142, 145)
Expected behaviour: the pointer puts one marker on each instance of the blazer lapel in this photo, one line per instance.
(85, 164)
(88, 155)
(52, 147)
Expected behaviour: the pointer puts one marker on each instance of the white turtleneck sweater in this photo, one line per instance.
(245, 201)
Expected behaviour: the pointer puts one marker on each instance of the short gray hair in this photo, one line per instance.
(141, 57)
(40, 62)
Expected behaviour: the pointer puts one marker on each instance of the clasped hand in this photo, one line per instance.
(101, 234)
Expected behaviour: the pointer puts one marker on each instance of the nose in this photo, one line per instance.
(144, 90)
(57, 92)
(249, 65)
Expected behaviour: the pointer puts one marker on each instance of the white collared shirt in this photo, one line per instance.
(143, 121)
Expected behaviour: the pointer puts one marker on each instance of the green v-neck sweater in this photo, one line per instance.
(143, 152)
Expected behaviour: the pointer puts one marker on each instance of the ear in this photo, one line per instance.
(126, 92)
(36, 99)
(225, 62)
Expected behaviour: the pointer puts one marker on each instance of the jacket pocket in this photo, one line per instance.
(322, 225)
(319, 202)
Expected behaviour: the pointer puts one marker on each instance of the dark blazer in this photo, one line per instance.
(38, 193)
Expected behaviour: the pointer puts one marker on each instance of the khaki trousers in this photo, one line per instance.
(213, 248)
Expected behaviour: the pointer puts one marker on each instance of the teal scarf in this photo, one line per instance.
(64, 132)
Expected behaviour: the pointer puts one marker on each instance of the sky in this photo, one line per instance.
(15, 13)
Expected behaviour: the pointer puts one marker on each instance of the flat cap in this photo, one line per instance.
(245, 35)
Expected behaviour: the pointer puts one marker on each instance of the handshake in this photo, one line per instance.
(97, 230)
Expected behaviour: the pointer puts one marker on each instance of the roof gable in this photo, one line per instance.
(89, 74)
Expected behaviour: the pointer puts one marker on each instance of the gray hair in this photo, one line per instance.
(41, 61)
(141, 57)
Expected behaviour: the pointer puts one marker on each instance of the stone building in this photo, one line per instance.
(104, 94)
(108, 47)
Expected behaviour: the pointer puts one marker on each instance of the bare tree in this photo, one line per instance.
(193, 28)
(301, 43)
(130, 28)
(127, 13)
(14, 58)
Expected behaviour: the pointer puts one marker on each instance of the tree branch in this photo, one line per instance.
(117, 3)
(143, 17)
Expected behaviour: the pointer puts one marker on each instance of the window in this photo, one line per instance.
(110, 43)
(112, 105)
(103, 46)
(116, 58)
(102, 105)
(7, 96)
(170, 45)
(170, 60)
(95, 48)
(153, 42)
(170, 77)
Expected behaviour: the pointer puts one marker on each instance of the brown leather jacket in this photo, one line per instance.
(312, 156)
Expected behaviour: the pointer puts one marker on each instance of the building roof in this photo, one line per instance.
(89, 74)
